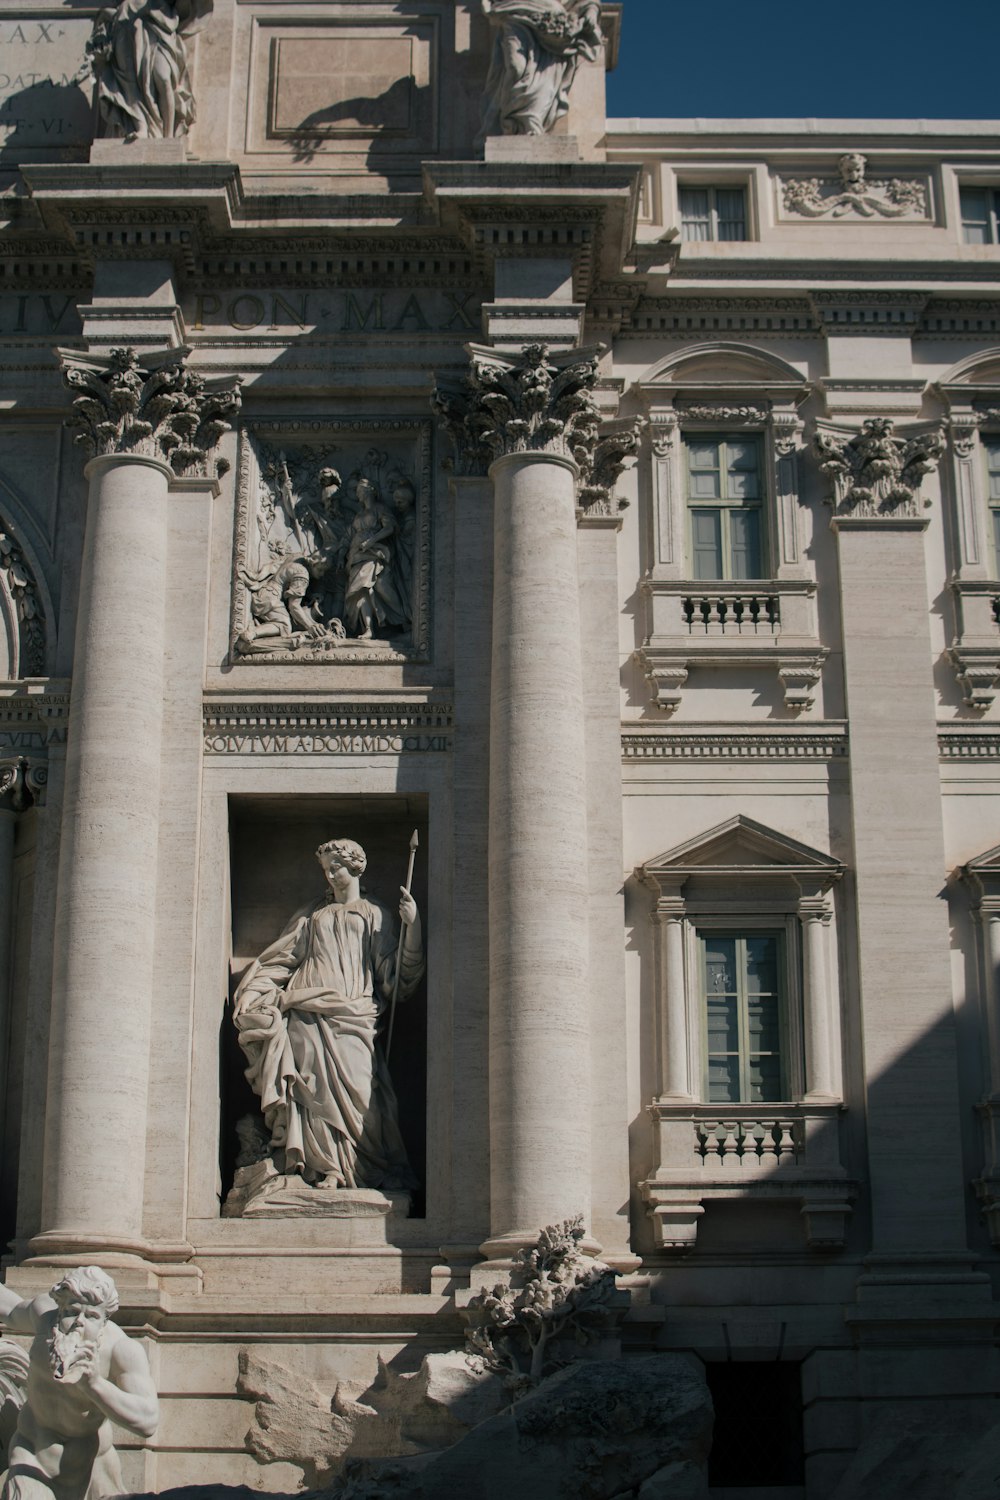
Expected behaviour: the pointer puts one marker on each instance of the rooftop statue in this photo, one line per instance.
(83, 1374)
(536, 52)
(138, 53)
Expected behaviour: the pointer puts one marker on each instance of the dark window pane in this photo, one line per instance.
(744, 541)
(975, 216)
(723, 1080)
(706, 543)
(696, 221)
(730, 204)
(723, 1024)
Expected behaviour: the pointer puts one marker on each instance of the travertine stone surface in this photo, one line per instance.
(105, 920)
(539, 1043)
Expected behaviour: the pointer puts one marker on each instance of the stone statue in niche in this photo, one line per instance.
(536, 51)
(307, 1013)
(138, 53)
(83, 1374)
(335, 558)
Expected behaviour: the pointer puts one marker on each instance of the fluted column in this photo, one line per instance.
(143, 424)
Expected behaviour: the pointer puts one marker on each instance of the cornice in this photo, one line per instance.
(969, 742)
(248, 726)
(643, 743)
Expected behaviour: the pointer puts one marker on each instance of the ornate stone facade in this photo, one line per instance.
(666, 611)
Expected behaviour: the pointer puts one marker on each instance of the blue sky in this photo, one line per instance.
(871, 59)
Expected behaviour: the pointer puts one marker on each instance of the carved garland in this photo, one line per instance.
(158, 409)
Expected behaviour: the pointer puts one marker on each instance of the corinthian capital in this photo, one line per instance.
(532, 402)
(156, 408)
(537, 402)
(876, 474)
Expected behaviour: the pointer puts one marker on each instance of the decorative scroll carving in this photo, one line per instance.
(23, 590)
(536, 51)
(22, 783)
(557, 1294)
(159, 409)
(332, 562)
(853, 195)
(875, 474)
(138, 54)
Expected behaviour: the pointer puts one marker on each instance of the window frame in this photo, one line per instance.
(713, 189)
(703, 932)
(701, 917)
(990, 442)
(725, 506)
(991, 191)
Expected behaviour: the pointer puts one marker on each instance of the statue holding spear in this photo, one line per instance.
(307, 1013)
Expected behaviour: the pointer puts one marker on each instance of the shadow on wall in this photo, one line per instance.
(46, 117)
(399, 111)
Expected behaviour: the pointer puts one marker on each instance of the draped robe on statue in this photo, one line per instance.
(307, 1012)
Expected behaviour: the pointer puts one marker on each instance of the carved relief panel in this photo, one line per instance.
(332, 551)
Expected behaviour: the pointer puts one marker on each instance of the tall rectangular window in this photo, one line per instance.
(993, 494)
(743, 1004)
(724, 506)
(980, 210)
(713, 213)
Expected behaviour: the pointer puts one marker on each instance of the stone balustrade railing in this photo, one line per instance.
(731, 612)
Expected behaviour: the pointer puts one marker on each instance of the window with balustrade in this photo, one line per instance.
(726, 523)
(727, 578)
(749, 1085)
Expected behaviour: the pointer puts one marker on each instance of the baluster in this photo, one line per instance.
(786, 1143)
(731, 1145)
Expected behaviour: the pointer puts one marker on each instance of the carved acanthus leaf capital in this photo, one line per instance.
(22, 782)
(155, 407)
(538, 402)
(876, 475)
(616, 450)
(532, 402)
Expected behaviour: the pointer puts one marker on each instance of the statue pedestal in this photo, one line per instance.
(262, 1192)
(528, 148)
(113, 152)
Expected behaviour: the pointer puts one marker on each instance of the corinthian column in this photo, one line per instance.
(142, 424)
(530, 420)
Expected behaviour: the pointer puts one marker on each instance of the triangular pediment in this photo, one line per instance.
(741, 846)
(988, 862)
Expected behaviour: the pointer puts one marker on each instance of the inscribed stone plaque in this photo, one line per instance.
(345, 87)
(45, 87)
(360, 87)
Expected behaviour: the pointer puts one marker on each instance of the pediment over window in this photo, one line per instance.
(723, 367)
(982, 875)
(981, 368)
(741, 848)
